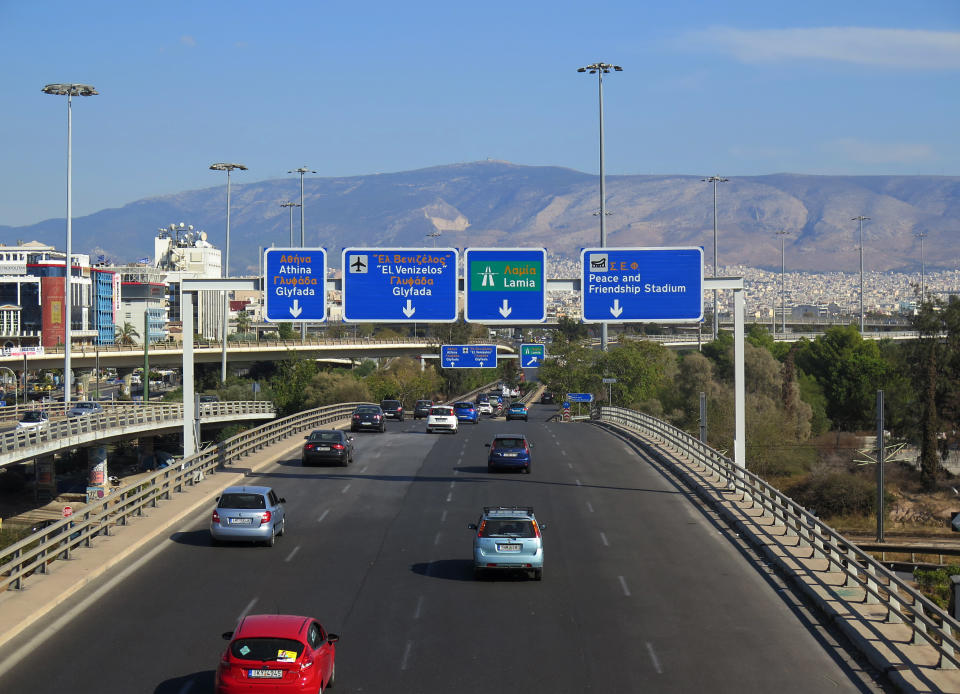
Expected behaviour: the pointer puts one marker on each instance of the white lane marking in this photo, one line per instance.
(603, 538)
(436, 539)
(449, 497)
(293, 553)
(456, 471)
(451, 485)
(653, 657)
(570, 465)
(362, 470)
(188, 685)
(459, 460)
(623, 584)
(377, 454)
(563, 452)
(443, 516)
(578, 483)
(590, 507)
(344, 490)
(406, 655)
(247, 609)
(322, 516)
(416, 612)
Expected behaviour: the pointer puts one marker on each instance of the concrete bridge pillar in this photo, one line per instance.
(145, 444)
(97, 479)
(127, 376)
(84, 390)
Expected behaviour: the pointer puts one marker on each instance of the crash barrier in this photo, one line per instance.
(865, 580)
(35, 554)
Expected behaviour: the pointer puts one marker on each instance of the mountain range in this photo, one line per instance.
(499, 204)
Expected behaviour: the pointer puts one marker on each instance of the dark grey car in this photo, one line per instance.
(327, 446)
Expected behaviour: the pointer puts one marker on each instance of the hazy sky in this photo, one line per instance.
(346, 88)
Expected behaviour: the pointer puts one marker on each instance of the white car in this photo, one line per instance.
(31, 420)
(485, 407)
(442, 418)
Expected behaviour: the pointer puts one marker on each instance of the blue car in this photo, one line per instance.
(509, 452)
(466, 412)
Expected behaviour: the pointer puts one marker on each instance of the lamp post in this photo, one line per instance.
(433, 235)
(861, 219)
(922, 235)
(783, 290)
(715, 180)
(302, 170)
(70, 91)
(291, 205)
(600, 69)
(225, 271)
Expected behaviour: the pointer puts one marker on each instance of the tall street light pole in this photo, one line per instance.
(302, 170)
(783, 291)
(225, 270)
(291, 205)
(600, 69)
(922, 235)
(70, 91)
(433, 235)
(715, 180)
(861, 219)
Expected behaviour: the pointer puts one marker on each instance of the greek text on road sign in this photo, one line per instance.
(625, 285)
(580, 397)
(294, 284)
(400, 285)
(532, 355)
(505, 285)
(468, 356)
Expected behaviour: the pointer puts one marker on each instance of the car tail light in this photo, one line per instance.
(536, 529)
(309, 447)
(306, 665)
(480, 529)
(216, 517)
(356, 416)
(337, 446)
(265, 517)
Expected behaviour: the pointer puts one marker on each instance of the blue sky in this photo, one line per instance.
(734, 88)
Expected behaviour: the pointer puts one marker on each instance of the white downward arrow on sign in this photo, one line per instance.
(295, 310)
(616, 310)
(505, 310)
(408, 310)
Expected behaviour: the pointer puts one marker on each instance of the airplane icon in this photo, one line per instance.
(359, 264)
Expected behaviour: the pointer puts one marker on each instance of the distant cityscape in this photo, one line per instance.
(129, 302)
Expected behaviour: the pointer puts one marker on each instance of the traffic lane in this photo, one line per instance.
(702, 608)
(177, 605)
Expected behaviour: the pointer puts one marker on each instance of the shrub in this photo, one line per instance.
(835, 494)
(936, 584)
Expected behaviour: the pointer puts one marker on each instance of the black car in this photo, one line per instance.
(392, 409)
(422, 408)
(327, 446)
(368, 418)
(546, 398)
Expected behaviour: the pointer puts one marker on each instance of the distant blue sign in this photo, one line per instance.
(505, 285)
(532, 355)
(468, 356)
(400, 285)
(635, 285)
(580, 397)
(294, 284)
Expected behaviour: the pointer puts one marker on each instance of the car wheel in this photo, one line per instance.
(477, 574)
(538, 574)
(526, 470)
(283, 526)
(333, 675)
(272, 541)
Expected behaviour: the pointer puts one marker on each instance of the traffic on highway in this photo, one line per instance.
(422, 566)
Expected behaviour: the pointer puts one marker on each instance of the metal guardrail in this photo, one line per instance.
(35, 554)
(118, 417)
(904, 604)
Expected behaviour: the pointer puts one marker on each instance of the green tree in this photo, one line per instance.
(329, 388)
(126, 335)
(243, 322)
(571, 329)
(571, 368)
(286, 331)
(289, 383)
(640, 367)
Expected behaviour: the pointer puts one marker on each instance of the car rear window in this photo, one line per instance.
(325, 436)
(509, 443)
(441, 410)
(267, 649)
(463, 405)
(236, 500)
(507, 528)
(368, 409)
(392, 404)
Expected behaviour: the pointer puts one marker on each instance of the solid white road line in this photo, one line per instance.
(443, 516)
(322, 516)
(623, 584)
(578, 483)
(653, 658)
(362, 470)
(294, 553)
(416, 612)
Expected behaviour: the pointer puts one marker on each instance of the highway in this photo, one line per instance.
(642, 589)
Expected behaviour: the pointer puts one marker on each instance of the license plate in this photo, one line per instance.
(239, 521)
(266, 674)
(323, 448)
(366, 424)
(510, 455)
(509, 548)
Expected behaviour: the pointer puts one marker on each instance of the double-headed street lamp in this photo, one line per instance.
(861, 219)
(302, 170)
(291, 205)
(225, 270)
(715, 180)
(922, 235)
(69, 91)
(601, 69)
(783, 292)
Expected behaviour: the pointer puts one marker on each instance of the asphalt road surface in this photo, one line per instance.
(642, 590)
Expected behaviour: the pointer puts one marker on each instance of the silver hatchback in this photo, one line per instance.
(248, 514)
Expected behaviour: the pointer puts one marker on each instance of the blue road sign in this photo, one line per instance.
(505, 285)
(634, 285)
(532, 355)
(468, 356)
(294, 284)
(579, 397)
(400, 285)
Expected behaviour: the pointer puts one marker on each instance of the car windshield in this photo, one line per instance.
(507, 528)
(267, 649)
(242, 500)
(325, 436)
(32, 417)
(509, 443)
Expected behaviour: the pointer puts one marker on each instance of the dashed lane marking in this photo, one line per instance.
(322, 516)
(654, 659)
(344, 490)
(603, 538)
(293, 553)
(406, 655)
(623, 584)
(246, 610)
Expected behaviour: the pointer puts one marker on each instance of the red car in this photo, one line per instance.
(277, 653)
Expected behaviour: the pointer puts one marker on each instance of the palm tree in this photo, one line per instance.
(126, 334)
(243, 322)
